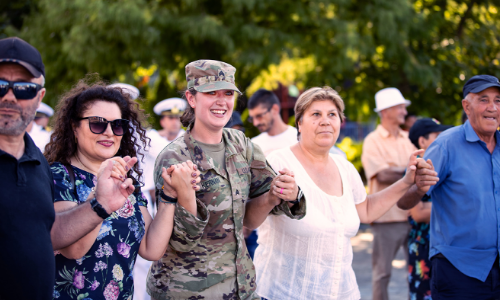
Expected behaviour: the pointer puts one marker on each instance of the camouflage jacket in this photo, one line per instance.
(210, 251)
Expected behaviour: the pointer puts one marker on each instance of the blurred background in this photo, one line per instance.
(425, 48)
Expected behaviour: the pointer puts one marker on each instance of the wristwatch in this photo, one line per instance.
(299, 196)
(100, 211)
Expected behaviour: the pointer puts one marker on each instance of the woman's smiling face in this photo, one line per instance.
(98, 147)
(212, 109)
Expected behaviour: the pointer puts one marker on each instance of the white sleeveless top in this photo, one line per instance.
(311, 258)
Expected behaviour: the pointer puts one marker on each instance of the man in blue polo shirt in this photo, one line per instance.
(29, 228)
(465, 220)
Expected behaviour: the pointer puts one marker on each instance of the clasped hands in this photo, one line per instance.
(181, 179)
(420, 172)
(284, 187)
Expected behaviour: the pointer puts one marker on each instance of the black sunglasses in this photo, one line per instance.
(98, 125)
(22, 90)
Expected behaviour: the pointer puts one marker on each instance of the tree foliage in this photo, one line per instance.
(426, 48)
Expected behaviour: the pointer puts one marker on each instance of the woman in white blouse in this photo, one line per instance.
(312, 258)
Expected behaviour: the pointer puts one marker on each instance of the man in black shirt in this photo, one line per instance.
(29, 228)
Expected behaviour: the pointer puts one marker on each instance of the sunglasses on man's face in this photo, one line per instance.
(22, 90)
(98, 125)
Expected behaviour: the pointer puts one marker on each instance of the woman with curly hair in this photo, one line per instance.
(94, 124)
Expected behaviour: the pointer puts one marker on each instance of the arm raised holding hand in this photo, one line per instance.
(283, 187)
(71, 224)
(183, 178)
(426, 176)
(379, 203)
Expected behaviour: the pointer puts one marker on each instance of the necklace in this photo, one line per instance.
(84, 166)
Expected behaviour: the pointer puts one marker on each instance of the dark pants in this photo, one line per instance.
(447, 282)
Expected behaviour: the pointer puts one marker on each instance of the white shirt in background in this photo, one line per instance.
(311, 258)
(40, 136)
(270, 143)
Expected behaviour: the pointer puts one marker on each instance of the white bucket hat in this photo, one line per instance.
(389, 97)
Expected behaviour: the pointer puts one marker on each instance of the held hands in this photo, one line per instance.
(113, 188)
(181, 178)
(426, 176)
(411, 169)
(284, 186)
(420, 172)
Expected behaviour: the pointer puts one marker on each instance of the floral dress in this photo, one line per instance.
(105, 272)
(419, 266)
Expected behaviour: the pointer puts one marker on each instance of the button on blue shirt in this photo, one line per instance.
(465, 217)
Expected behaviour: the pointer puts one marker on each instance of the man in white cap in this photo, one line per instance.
(170, 110)
(36, 130)
(385, 156)
(43, 113)
(128, 89)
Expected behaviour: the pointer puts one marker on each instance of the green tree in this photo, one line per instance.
(426, 48)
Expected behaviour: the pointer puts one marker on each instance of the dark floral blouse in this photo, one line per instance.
(419, 266)
(105, 272)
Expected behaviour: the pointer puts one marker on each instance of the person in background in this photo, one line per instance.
(384, 158)
(264, 113)
(43, 114)
(465, 219)
(38, 128)
(410, 119)
(235, 122)
(422, 134)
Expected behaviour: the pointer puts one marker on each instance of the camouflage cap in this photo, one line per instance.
(210, 75)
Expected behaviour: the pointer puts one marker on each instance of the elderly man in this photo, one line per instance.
(385, 156)
(29, 228)
(465, 221)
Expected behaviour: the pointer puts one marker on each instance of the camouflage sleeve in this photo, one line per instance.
(262, 176)
(262, 172)
(188, 229)
(296, 212)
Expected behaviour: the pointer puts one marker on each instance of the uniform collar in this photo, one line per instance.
(199, 157)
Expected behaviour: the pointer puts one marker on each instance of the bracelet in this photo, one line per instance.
(100, 211)
(166, 199)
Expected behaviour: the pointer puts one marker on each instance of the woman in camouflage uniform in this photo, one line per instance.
(207, 257)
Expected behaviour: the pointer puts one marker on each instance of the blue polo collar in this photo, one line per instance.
(471, 136)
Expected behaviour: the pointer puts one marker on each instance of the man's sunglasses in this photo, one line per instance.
(22, 90)
(98, 125)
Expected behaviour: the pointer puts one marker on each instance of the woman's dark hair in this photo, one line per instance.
(188, 117)
(73, 104)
